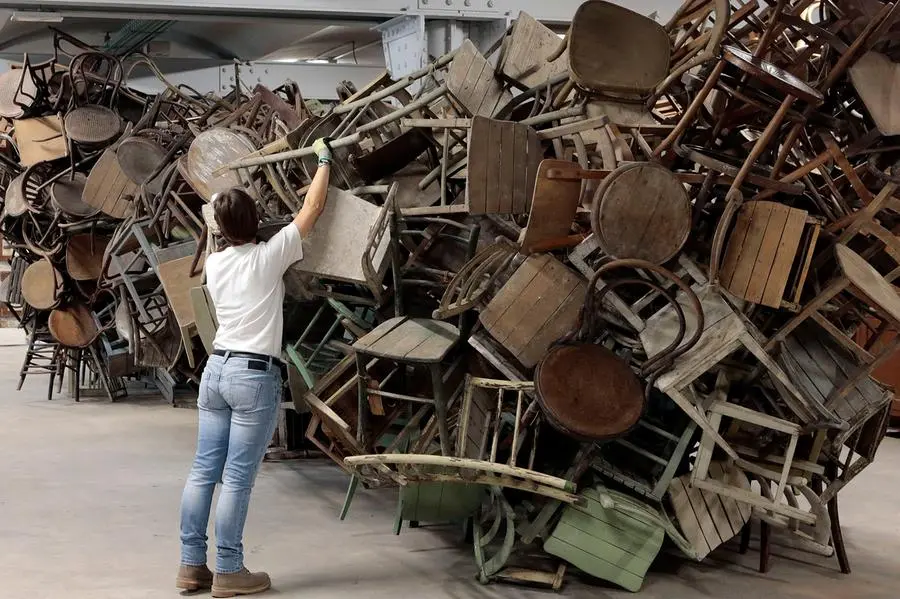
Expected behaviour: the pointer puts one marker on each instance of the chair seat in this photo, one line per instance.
(410, 340)
(722, 332)
(869, 282)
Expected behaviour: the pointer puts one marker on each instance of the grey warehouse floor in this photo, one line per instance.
(89, 498)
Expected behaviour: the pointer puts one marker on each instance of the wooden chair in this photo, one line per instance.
(768, 254)
(537, 305)
(42, 356)
(613, 536)
(95, 78)
(470, 284)
(477, 457)
(523, 60)
(774, 502)
(831, 475)
(641, 211)
(706, 519)
(314, 357)
(649, 457)
(473, 83)
(411, 342)
(861, 281)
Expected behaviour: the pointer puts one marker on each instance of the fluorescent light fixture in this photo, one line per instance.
(36, 16)
(285, 60)
(318, 61)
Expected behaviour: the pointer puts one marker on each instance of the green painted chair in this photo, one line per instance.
(437, 503)
(612, 536)
(205, 316)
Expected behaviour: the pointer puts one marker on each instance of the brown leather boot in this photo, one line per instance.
(244, 582)
(194, 578)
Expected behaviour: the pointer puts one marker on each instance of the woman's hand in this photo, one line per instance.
(322, 150)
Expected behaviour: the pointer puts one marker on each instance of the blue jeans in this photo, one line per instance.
(238, 413)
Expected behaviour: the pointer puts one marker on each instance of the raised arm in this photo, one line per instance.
(314, 203)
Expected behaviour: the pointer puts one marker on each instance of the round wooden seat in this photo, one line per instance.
(11, 99)
(84, 256)
(108, 188)
(642, 211)
(139, 157)
(210, 151)
(588, 392)
(93, 125)
(42, 285)
(771, 75)
(73, 326)
(15, 205)
(67, 195)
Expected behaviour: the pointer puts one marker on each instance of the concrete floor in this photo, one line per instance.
(89, 499)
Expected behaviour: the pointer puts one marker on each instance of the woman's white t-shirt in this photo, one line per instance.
(246, 287)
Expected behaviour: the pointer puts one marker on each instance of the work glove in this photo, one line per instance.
(322, 150)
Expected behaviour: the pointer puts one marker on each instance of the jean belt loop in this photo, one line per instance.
(227, 354)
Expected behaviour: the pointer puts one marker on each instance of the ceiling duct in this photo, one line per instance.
(134, 35)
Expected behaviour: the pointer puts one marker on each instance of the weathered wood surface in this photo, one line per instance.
(877, 81)
(869, 282)
(337, 245)
(209, 152)
(73, 325)
(707, 519)
(177, 283)
(40, 139)
(761, 252)
(642, 211)
(553, 206)
(609, 543)
(108, 188)
(538, 305)
(474, 84)
(631, 56)
(503, 164)
(84, 256)
(42, 285)
(410, 340)
(204, 316)
(819, 369)
(525, 57)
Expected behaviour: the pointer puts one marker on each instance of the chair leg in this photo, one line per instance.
(746, 532)
(440, 408)
(29, 354)
(79, 356)
(398, 518)
(351, 491)
(362, 423)
(765, 547)
(837, 536)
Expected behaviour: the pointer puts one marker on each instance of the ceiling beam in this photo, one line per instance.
(556, 11)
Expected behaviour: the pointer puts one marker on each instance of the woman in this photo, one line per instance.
(240, 391)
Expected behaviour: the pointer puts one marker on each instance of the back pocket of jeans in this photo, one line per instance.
(242, 393)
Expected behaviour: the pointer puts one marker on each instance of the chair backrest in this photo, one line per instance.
(415, 236)
(631, 56)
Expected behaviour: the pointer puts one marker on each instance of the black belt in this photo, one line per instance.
(269, 360)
